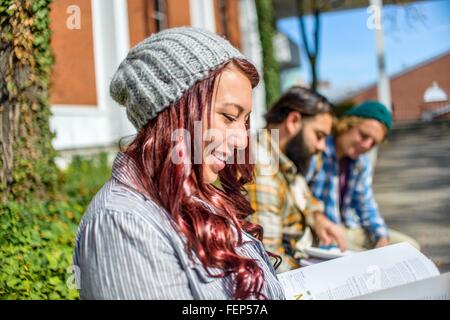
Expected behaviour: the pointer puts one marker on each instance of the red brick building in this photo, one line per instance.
(408, 88)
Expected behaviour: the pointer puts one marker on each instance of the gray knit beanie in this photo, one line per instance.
(158, 70)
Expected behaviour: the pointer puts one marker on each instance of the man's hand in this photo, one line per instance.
(382, 242)
(328, 232)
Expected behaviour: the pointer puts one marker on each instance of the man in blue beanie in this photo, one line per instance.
(341, 176)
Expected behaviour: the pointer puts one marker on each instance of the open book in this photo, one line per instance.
(397, 271)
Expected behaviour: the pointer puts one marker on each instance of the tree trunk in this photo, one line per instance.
(27, 167)
(311, 53)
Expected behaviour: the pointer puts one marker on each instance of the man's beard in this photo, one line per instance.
(298, 152)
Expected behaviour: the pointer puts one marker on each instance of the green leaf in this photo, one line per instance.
(54, 281)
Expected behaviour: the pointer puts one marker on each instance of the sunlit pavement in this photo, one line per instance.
(412, 186)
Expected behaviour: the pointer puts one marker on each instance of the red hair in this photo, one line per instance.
(180, 190)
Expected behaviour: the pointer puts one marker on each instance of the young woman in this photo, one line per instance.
(160, 228)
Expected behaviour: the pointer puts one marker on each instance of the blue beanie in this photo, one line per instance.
(372, 110)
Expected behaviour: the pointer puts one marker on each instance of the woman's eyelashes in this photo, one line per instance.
(229, 118)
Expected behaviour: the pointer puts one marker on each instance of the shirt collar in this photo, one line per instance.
(330, 151)
(124, 169)
(287, 167)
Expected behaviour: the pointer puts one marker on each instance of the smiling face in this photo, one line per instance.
(360, 138)
(232, 104)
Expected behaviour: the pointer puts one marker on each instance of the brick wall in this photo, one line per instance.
(73, 74)
(407, 88)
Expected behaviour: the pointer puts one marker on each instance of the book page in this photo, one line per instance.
(435, 288)
(358, 274)
(327, 254)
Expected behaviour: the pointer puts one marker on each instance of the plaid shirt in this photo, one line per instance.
(358, 207)
(281, 200)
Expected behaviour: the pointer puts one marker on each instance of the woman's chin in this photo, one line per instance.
(209, 177)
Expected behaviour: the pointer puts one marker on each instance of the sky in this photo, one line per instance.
(413, 34)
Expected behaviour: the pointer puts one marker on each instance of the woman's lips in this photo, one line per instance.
(217, 164)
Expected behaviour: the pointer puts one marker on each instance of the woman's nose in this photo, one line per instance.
(238, 138)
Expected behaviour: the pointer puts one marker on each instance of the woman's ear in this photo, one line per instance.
(294, 123)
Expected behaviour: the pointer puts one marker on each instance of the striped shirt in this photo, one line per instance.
(282, 202)
(127, 248)
(358, 207)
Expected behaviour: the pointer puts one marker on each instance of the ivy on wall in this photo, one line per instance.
(27, 166)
